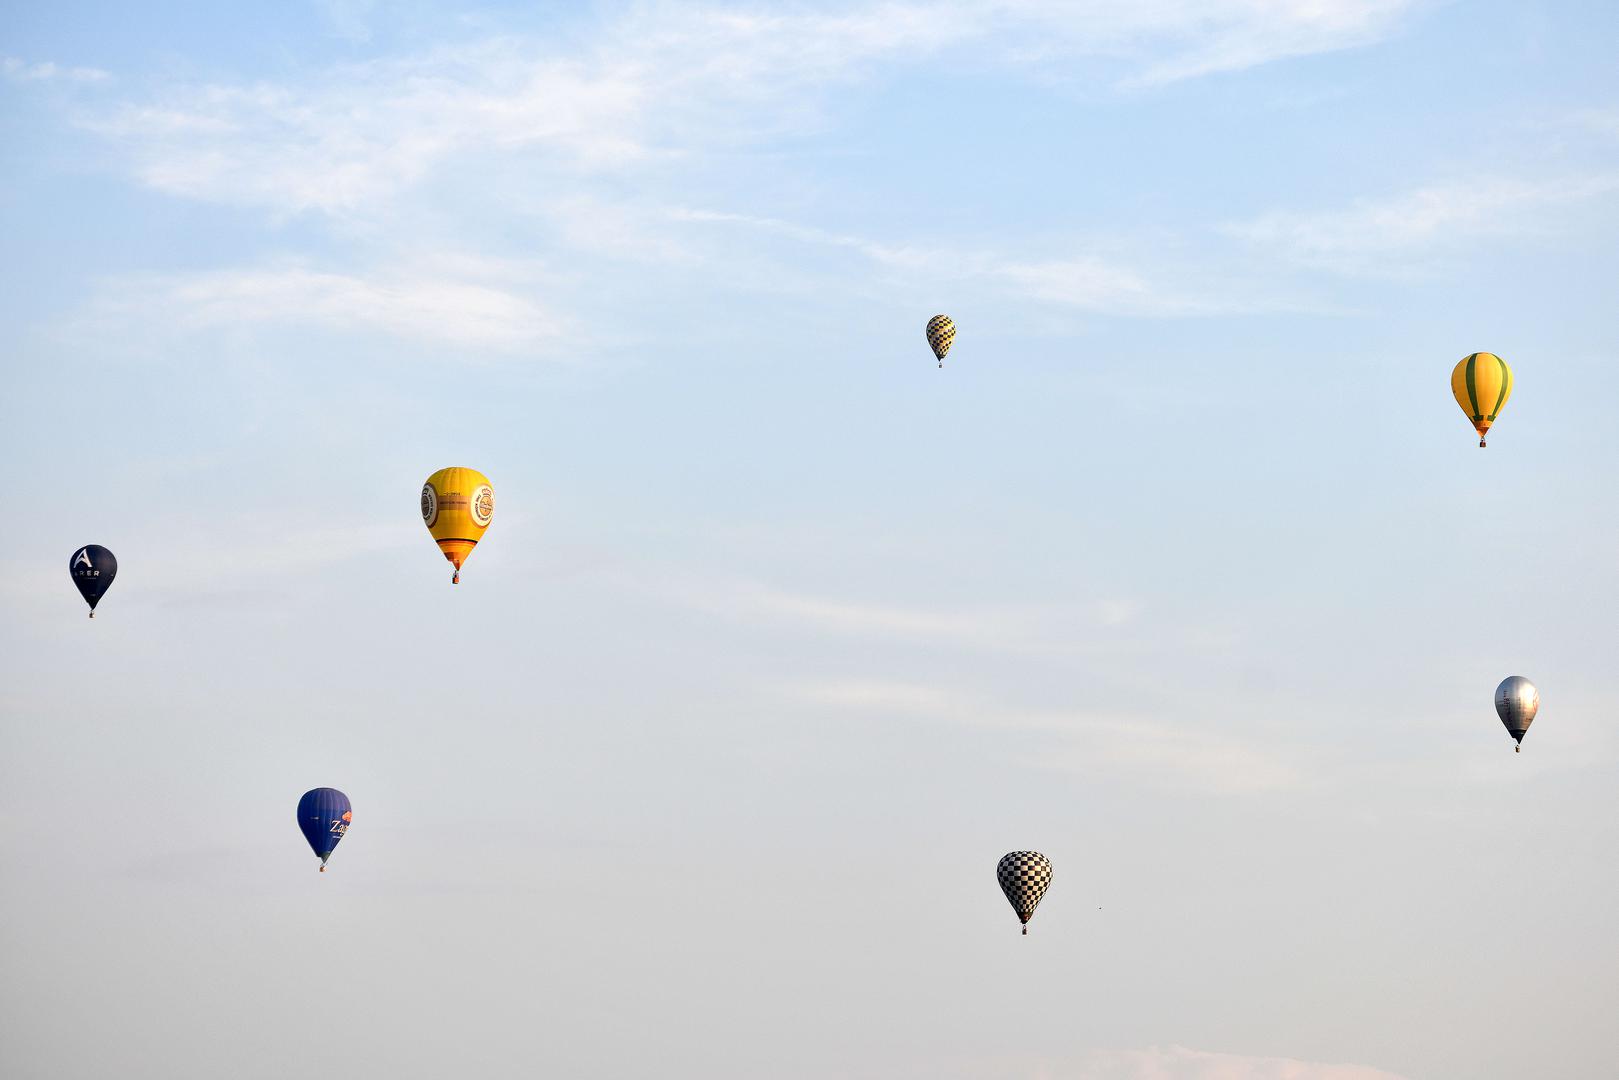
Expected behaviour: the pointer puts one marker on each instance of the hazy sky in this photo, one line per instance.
(1186, 570)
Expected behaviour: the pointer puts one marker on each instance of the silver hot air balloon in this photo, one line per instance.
(1516, 702)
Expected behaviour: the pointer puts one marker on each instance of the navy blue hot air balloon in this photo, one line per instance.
(324, 815)
(93, 569)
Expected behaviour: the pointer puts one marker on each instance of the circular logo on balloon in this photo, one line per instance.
(483, 505)
(429, 505)
(348, 815)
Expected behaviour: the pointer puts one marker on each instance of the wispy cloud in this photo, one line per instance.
(1031, 631)
(1084, 282)
(645, 93)
(1180, 1063)
(1092, 284)
(1383, 236)
(263, 558)
(910, 258)
(349, 19)
(16, 70)
(366, 132)
(1604, 121)
(1220, 37)
(1178, 756)
(655, 83)
(456, 302)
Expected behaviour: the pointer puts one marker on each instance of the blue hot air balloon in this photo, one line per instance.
(324, 815)
(93, 569)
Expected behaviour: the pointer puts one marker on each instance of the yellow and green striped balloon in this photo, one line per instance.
(1482, 382)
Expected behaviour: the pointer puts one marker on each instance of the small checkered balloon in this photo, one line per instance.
(1024, 878)
(941, 332)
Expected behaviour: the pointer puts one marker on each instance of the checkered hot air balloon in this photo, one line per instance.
(941, 332)
(1024, 878)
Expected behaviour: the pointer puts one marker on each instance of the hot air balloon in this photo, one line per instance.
(324, 815)
(1516, 703)
(1482, 382)
(457, 505)
(941, 332)
(1024, 878)
(93, 568)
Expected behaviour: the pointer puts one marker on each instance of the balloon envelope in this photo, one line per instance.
(1516, 703)
(324, 815)
(1481, 384)
(457, 506)
(93, 568)
(1024, 877)
(941, 333)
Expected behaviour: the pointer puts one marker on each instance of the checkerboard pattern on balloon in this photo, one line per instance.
(1024, 878)
(941, 332)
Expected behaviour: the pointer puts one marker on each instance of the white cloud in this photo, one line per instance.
(1382, 236)
(1179, 1063)
(1031, 631)
(367, 132)
(533, 126)
(657, 82)
(1233, 36)
(1083, 282)
(1200, 757)
(909, 258)
(871, 620)
(350, 19)
(17, 70)
(1174, 756)
(447, 305)
(1603, 121)
(619, 230)
(263, 556)
(660, 81)
(1092, 284)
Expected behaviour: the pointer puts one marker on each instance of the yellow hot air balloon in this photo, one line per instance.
(941, 332)
(457, 505)
(1482, 382)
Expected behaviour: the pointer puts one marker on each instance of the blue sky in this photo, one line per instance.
(1185, 570)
